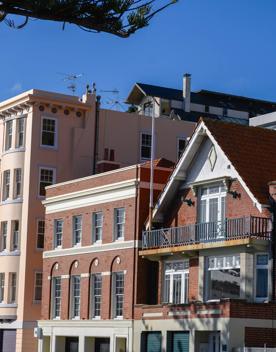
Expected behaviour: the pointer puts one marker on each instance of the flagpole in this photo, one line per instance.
(152, 157)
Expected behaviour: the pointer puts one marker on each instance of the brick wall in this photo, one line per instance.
(259, 337)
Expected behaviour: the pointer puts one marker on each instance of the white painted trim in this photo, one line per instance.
(152, 315)
(106, 273)
(113, 246)
(51, 147)
(93, 196)
(84, 275)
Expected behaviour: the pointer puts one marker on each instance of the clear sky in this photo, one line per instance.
(227, 46)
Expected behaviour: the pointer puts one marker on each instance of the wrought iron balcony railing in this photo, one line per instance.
(228, 229)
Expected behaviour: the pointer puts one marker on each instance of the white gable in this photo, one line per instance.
(209, 163)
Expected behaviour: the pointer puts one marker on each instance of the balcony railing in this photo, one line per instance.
(228, 229)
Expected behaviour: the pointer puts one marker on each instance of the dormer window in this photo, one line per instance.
(148, 109)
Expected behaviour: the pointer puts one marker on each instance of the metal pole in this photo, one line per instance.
(152, 165)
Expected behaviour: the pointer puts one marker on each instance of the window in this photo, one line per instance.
(97, 226)
(56, 300)
(15, 235)
(46, 178)
(6, 184)
(151, 341)
(8, 139)
(96, 297)
(4, 235)
(12, 290)
(58, 233)
(75, 296)
(48, 133)
(118, 293)
(20, 138)
(262, 277)
(165, 107)
(211, 213)
(176, 282)
(77, 229)
(181, 144)
(38, 287)
(40, 234)
(2, 286)
(145, 152)
(17, 183)
(224, 111)
(119, 223)
(148, 109)
(207, 108)
(223, 277)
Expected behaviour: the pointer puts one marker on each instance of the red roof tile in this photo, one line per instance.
(251, 150)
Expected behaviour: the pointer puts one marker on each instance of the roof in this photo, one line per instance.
(204, 97)
(161, 162)
(251, 150)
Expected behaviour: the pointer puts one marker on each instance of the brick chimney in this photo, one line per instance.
(187, 92)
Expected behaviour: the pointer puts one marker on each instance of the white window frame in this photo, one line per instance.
(36, 286)
(75, 243)
(8, 146)
(184, 295)
(141, 145)
(73, 297)
(268, 268)
(116, 224)
(95, 227)
(18, 132)
(178, 155)
(55, 146)
(93, 295)
(2, 287)
(13, 288)
(17, 175)
(54, 297)
(4, 235)
(39, 178)
(218, 195)
(56, 221)
(6, 189)
(115, 295)
(15, 235)
(38, 233)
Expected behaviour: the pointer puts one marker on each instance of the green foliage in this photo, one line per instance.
(118, 17)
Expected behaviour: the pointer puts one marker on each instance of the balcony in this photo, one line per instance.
(210, 234)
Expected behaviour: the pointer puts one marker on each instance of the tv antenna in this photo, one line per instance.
(114, 102)
(71, 79)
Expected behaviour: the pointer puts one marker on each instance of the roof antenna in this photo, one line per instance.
(71, 78)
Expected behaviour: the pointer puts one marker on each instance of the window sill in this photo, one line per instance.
(96, 318)
(13, 150)
(8, 305)
(7, 253)
(120, 239)
(57, 248)
(118, 318)
(75, 318)
(12, 201)
(49, 147)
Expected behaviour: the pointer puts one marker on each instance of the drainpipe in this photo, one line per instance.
(96, 133)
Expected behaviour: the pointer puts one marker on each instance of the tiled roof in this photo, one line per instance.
(162, 162)
(251, 150)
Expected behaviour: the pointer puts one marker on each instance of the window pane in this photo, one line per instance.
(58, 233)
(97, 226)
(145, 146)
(77, 229)
(2, 286)
(119, 294)
(8, 142)
(177, 285)
(119, 223)
(40, 234)
(48, 132)
(96, 295)
(56, 296)
(224, 283)
(75, 296)
(46, 179)
(20, 132)
(262, 283)
(38, 287)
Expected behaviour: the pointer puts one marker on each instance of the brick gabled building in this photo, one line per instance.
(213, 240)
(92, 273)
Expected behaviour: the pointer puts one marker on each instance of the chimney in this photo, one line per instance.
(187, 92)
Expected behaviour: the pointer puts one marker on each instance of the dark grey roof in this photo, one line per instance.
(204, 97)
(195, 116)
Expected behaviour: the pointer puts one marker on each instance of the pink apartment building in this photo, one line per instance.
(47, 138)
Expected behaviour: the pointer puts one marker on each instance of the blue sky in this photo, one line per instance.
(227, 46)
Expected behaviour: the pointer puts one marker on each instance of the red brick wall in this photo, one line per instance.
(193, 279)
(259, 337)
